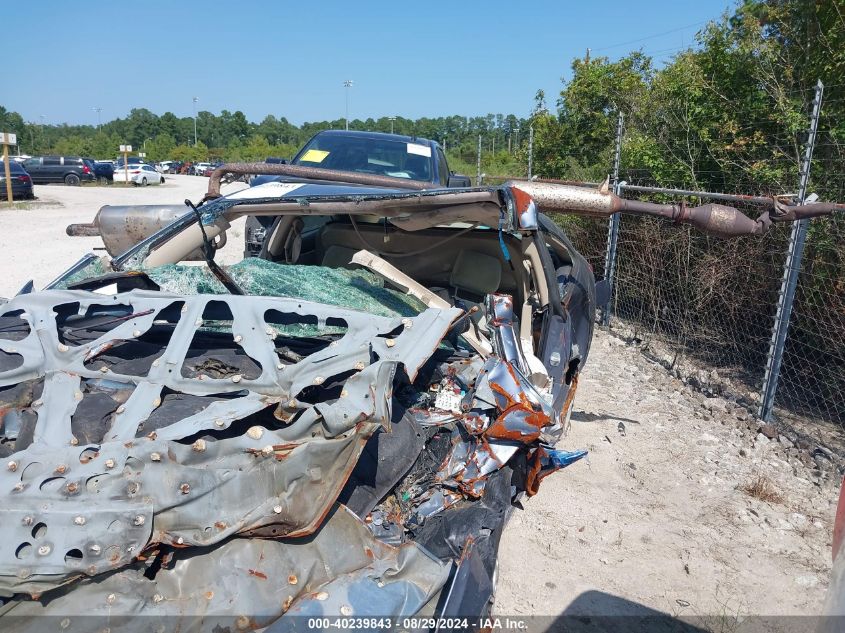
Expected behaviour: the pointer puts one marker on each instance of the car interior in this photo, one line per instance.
(461, 264)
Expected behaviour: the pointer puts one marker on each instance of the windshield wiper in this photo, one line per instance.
(208, 254)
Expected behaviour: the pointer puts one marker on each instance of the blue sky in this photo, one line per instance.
(290, 59)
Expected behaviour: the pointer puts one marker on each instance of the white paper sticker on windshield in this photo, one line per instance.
(267, 190)
(420, 150)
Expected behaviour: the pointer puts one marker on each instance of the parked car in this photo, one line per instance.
(393, 155)
(104, 171)
(142, 175)
(131, 160)
(166, 166)
(71, 170)
(21, 182)
(200, 168)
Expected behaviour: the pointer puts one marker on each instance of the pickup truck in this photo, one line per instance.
(376, 153)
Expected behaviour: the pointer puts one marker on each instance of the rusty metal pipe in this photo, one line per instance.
(766, 201)
(310, 173)
(88, 229)
(712, 219)
(802, 212)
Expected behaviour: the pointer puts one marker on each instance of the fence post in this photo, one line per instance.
(791, 269)
(478, 164)
(612, 227)
(530, 151)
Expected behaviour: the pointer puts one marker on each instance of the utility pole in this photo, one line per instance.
(791, 269)
(195, 120)
(348, 85)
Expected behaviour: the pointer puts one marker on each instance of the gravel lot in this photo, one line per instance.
(656, 518)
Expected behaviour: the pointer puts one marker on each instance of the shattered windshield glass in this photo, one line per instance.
(354, 289)
(93, 268)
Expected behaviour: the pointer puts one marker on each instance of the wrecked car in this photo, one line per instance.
(337, 427)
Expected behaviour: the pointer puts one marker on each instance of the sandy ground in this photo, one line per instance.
(655, 518)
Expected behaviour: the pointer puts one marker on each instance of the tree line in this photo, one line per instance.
(230, 136)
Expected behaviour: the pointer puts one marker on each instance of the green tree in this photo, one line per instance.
(193, 153)
(161, 147)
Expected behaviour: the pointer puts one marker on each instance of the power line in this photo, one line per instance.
(650, 37)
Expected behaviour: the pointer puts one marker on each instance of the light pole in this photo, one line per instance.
(97, 109)
(42, 117)
(348, 85)
(391, 119)
(195, 120)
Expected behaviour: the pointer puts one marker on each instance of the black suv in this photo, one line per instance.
(103, 171)
(71, 170)
(377, 153)
(21, 182)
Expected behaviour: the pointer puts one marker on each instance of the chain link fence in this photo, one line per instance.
(705, 308)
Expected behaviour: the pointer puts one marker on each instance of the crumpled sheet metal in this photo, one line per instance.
(101, 505)
(499, 414)
(160, 492)
(248, 583)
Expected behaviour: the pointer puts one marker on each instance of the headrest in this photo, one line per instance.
(476, 272)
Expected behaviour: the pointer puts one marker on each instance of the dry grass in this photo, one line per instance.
(762, 488)
(27, 204)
